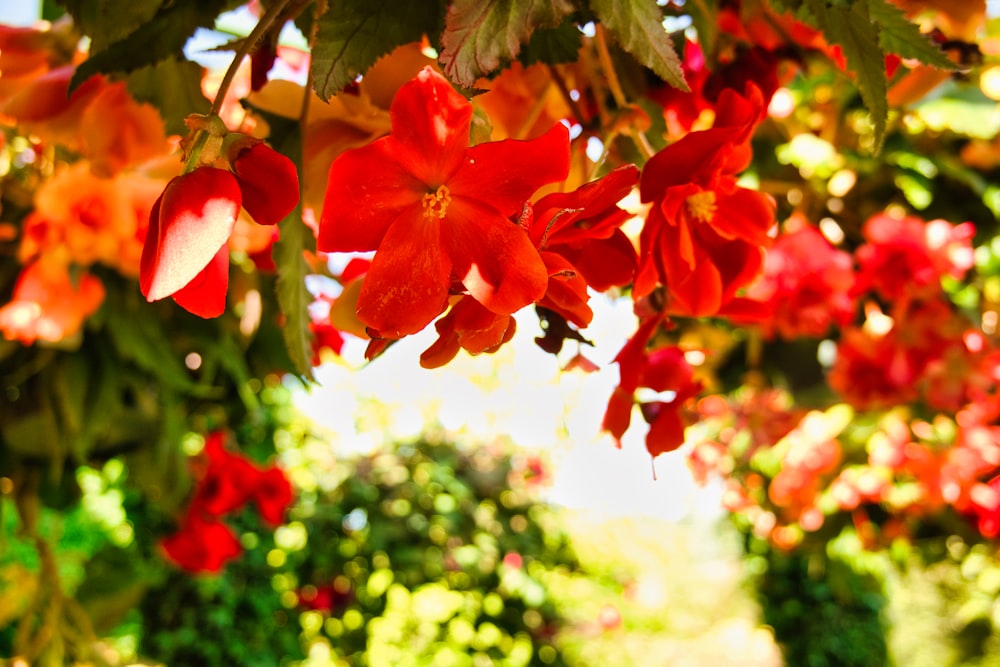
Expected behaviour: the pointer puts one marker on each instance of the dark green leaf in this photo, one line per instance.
(161, 37)
(108, 21)
(352, 34)
(638, 27)
(142, 339)
(174, 87)
(479, 37)
(898, 35)
(852, 29)
(553, 45)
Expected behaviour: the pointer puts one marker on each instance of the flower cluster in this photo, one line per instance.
(91, 212)
(225, 483)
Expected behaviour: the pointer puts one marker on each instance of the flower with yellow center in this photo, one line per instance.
(702, 205)
(436, 203)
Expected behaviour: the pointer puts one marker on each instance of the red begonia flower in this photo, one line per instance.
(189, 227)
(438, 211)
(469, 326)
(201, 545)
(907, 257)
(272, 493)
(664, 370)
(578, 234)
(704, 236)
(228, 481)
(268, 180)
(806, 283)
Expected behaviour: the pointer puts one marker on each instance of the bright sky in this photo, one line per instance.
(519, 392)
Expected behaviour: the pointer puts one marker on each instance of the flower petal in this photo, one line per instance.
(269, 183)
(506, 173)
(744, 214)
(197, 213)
(406, 286)
(493, 257)
(205, 295)
(430, 127)
(366, 191)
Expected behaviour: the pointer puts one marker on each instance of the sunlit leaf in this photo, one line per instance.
(638, 27)
(352, 34)
(851, 28)
(479, 37)
(896, 34)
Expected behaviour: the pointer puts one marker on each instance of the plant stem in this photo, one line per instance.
(614, 85)
(244, 50)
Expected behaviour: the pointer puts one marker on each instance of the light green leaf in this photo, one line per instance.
(898, 35)
(638, 27)
(479, 37)
(853, 30)
(352, 34)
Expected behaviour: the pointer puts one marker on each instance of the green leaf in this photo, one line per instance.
(140, 336)
(352, 34)
(853, 30)
(108, 21)
(553, 45)
(160, 38)
(479, 37)
(294, 239)
(174, 87)
(638, 27)
(898, 35)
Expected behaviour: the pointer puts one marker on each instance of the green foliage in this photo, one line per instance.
(162, 36)
(851, 28)
(898, 35)
(825, 613)
(426, 557)
(637, 25)
(480, 37)
(173, 86)
(352, 34)
(236, 618)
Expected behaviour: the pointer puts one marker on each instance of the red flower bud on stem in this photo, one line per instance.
(189, 227)
(267, 178)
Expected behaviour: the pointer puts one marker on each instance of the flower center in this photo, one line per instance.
(436, 203)
(702, 205)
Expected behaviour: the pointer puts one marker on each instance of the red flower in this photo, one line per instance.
(227, 481)
(438, 211)
(272, 493)
(581, 244)
(664, 371)
(704, 236)
(907, 257)
(268, 180)
(469, 326)
(201, 545)
(186, 254)
(807, 283)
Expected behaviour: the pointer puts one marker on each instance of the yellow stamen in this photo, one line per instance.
(702, 205)
(437, 203)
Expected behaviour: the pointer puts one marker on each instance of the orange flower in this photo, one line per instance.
(117, 132)
(48, 304)
(80, 219)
